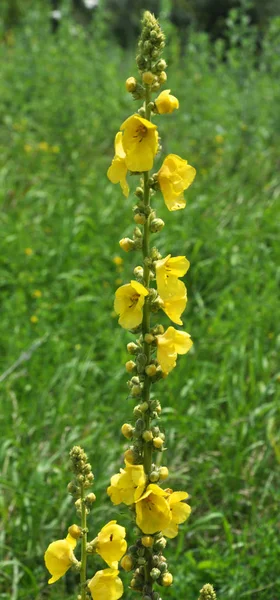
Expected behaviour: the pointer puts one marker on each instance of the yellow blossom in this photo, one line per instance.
(118, 170)
(44, 146)
(180, 511)
(169, 344)
(111, 544)
(174, 306)
(152, 509)
(168, 270)
(140, 143)
(34, 319)
(37, 294)
(131, 84)
(27, 148)
(219, 139)
(59, 557)
(28, 251)
(118, 260)
(124, 484)
(106, 584)
(129, 301)
(166, 103)
(175, 176)
(55, 149)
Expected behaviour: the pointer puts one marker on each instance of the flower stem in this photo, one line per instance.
(83, 572)
(147, 458)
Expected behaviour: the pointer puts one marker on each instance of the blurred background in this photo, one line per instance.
(62, 353)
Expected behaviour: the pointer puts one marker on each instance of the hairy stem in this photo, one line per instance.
(83, 573)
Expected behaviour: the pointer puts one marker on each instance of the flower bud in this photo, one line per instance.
(127, 244)
(156, 225)
(147, 541)
(136, 391)
(75, 531)
(127, 430)
(139, 192)
(147, 436)
(130, 366)
(127, 562)
(140, 219)
(148, 338)
(130, 84)
(155, 573)
(129, 456)
(148, 77)
(162, 77)
(137, 411)
(137, 232)
(151, 370)
(154, 476)
(90, 499)
(161, 65)
(207, 593)
(163, 473)
(141, 112)
(132, 348)
(158, 443)
(160, 544)
(139, 425)
(156, 86)
(143, 407)
(167, 579)
(138, 272)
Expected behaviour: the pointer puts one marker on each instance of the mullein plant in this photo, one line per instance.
(156, 285)
(157, 510)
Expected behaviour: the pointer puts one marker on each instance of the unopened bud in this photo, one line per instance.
(127, 562)
(132, 348)
(140, 219)
(139, 192)
(147, 436)
(148, 77)
(142, 112)
(129, 456)
(147, 541)
(136, 391)
(154, 476)
(143, 407)
(156, 225)
(127, 244)
(151, 370)
(137, 411)
(162, 77)
(160, 544)
(155, 573)
(167, 579)
(75, 531)
(130, 365)
(148, 338)
(163, 473)
(207, 593)
(90, 499)
(161, 65)
(138, 272)
(130, 84)
(158, 443)
(127, 430)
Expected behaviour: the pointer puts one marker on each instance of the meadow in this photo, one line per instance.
(62, 376)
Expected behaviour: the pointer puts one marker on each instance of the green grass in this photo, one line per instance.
(221, 403)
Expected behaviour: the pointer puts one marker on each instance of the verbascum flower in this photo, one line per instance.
(175, 176)
(180, 511)
(59, 557)
(129, 301)
(168, 270)
(152, 509)
(106, 584)
(117, 172)
(166, 103)
(169, 344)
(174, 306)
(124, 484)
(110, 543)
(140, 143)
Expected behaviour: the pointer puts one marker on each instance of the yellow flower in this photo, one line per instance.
(44, 146)
(124, 484)
(34, 319)
(168, 270)
(140, 143)
(59, 557)
(180, 511)
(166, 103)
(129, 300)
(118, 260)
(174, 306)
(28, 251)
(37, 294)
(55, 149)
(111, 544)
(175, 176)
(219, 139)
(106, 584)
(152, 509)
(27, 148)
(169, 344)
(118, 170)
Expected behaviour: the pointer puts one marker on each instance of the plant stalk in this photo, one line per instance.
(83, 573)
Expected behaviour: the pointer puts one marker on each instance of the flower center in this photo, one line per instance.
(134, 300)
(140, 132)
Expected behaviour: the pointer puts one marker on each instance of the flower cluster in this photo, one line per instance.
(157, 285)
(110, 542)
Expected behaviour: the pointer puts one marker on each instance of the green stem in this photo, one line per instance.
(83, 573)
(147, 458)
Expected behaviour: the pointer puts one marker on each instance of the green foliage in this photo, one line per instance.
(61, 101)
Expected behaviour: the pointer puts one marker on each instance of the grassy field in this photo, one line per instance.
(62, 351)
